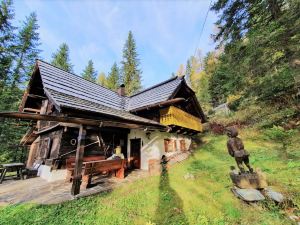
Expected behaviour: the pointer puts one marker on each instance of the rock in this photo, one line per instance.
(248, 195)
(275, 196)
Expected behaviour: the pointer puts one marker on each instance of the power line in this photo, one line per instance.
(202, 29)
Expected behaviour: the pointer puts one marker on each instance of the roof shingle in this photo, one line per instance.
(158, 93)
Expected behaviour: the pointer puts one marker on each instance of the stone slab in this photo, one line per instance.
(248, 195)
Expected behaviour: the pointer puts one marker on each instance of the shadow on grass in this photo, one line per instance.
(170, 205)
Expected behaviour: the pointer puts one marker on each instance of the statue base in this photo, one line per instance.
(246, 180)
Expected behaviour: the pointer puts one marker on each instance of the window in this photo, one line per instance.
(170, 145)
(182, 145)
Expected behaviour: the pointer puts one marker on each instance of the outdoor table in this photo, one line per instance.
(12, 167)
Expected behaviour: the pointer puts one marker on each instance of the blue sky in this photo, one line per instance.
(166, 32)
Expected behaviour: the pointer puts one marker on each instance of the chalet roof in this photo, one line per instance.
(69, 101)
(68, 90)
(67, 83)
(155, 94)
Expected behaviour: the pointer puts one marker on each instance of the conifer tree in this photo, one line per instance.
(89, 72)
(9, 97)
(26, 49)
(131, 74)
(61, 58)
(188, 72)
(101, 80)
(113, 79)
(7, 39)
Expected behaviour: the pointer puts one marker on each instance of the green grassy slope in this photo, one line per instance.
(172, 199)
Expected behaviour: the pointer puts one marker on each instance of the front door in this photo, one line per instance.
(135, 152)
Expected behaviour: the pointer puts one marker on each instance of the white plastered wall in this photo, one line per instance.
(153, 147)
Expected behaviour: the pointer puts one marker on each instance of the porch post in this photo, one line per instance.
(78, 161)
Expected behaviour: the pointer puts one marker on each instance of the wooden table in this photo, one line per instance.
(12, 167)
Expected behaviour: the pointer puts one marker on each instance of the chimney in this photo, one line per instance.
(121, 90)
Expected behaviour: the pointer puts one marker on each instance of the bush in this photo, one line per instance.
(280, 135)
(233, 101)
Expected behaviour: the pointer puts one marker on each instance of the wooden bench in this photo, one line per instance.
(97, 167)
(70, 163)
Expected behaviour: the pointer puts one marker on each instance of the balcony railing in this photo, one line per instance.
(178, 117)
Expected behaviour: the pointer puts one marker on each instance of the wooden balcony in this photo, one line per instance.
(177, 117)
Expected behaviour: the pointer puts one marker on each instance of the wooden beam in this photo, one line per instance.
(73, 125)
(23, 101)
(36, 96)
(78, 161)
(82, 121)
(32, 110)
(179, 131)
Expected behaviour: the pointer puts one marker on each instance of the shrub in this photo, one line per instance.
(280, 135)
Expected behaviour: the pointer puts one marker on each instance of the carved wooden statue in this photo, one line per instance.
(236, 149)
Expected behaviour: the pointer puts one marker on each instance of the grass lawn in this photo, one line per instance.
(171, 199)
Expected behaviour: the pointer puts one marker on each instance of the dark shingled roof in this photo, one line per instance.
(69, 101)
(67, 83)
(158, 93)
(71, 91)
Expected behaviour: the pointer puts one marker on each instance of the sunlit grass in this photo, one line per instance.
(207, 199)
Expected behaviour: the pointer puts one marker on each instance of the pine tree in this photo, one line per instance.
(89, 72)
(26, 49)
(101, 79)
(9, 97)
(7, 39)
(61, 58)
(131, 74)
(113, 78)
(188, 72)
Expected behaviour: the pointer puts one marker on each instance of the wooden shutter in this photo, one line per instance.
(166, 142)
(182, 145)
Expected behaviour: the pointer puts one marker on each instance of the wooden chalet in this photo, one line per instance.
(77, 121)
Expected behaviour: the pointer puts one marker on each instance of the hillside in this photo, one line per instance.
(207, 199)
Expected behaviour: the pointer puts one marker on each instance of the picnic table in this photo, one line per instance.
(12, 167)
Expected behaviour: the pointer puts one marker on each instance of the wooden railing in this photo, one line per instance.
(178, 117)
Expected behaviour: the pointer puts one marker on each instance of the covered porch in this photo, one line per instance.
(80, 169)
